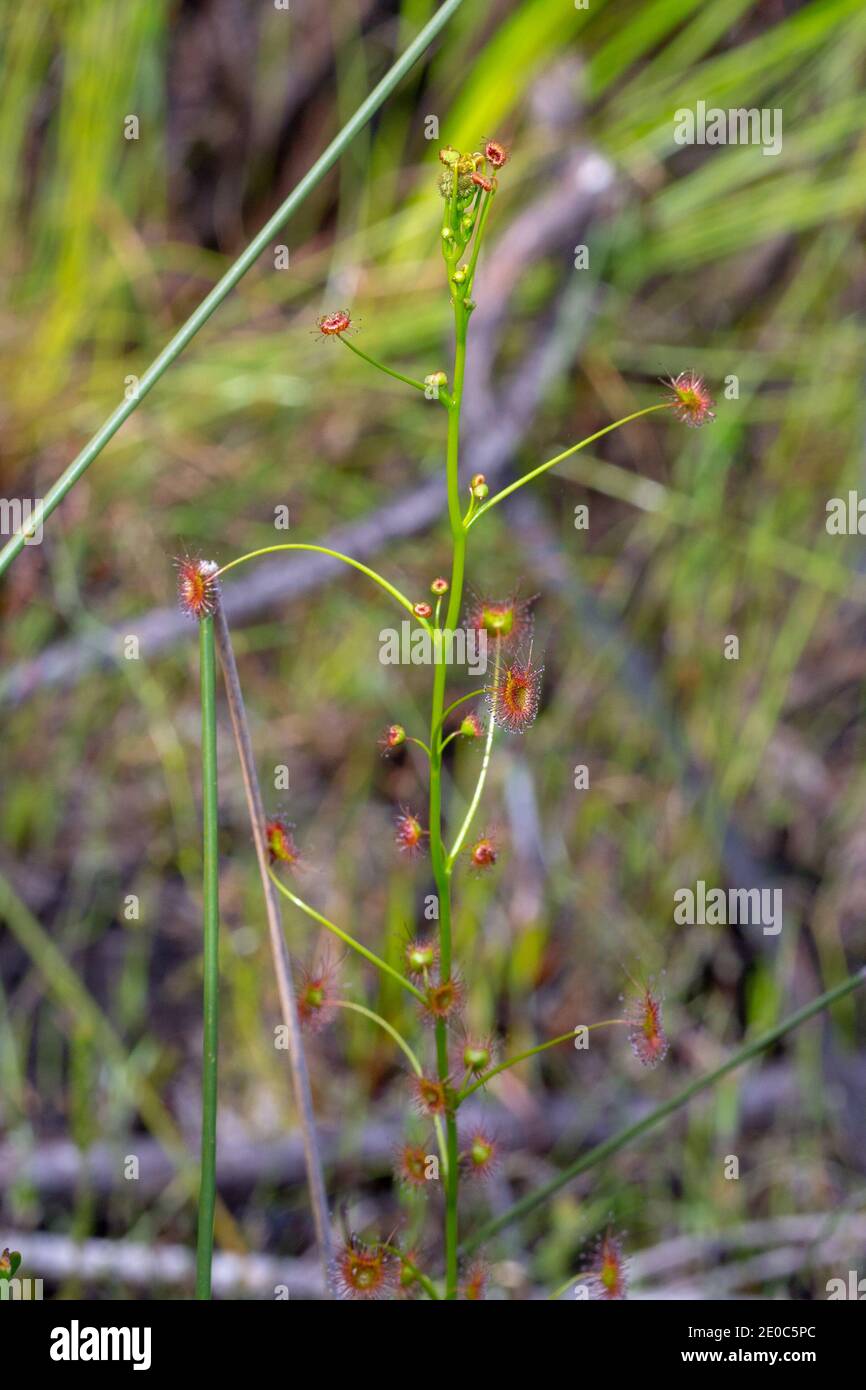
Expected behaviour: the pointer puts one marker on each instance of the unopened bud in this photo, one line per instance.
(460, 275)
(421, 956)
(447, 234)
(478, 487)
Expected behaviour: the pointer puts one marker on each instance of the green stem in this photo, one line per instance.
(551, 463)
(388, 1028)
(473, 694)
(479, 235)
(530, 1052)
(413, 1061)
(441, 871)
(210, 959)
(389, 371)
(561, 1288)
(74, 1001)
(236, 272)
(451, 1213)
(420, 742)
(482, 778)
(624, 1136)
(345, 937)
(334, 555)
(427, 1284)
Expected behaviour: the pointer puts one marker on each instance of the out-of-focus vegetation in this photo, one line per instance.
(741, 773)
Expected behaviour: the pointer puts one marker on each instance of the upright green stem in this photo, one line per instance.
(210, 960)
(441, 870)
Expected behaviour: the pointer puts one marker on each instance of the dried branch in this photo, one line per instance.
(279, 950)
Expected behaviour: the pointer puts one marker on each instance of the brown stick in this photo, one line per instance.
(279, 950)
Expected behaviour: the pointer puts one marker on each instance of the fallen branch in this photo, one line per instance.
(152, 1268)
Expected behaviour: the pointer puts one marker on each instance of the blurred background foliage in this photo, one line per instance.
(742, 773)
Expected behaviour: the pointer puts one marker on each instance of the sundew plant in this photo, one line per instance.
(457, 1045)
(447, 1062)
